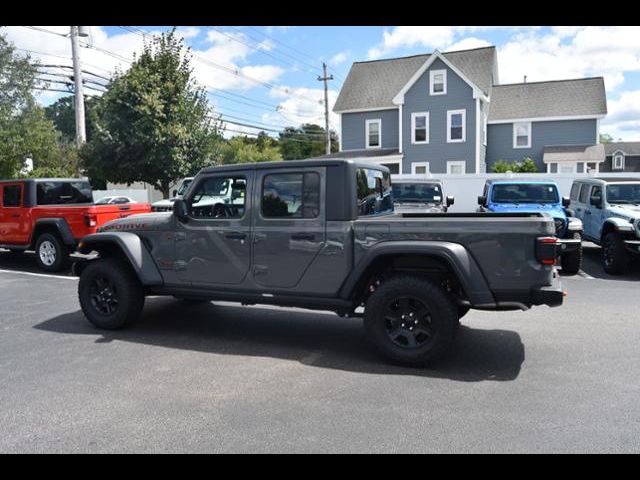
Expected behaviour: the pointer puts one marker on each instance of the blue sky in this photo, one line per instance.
(277, 67)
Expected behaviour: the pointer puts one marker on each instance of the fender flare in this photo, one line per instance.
(454, 255)
(619, 225)
(134, 250)
(60, 224)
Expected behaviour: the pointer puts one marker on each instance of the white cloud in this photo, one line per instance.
(467, 44)
(302, 105)
(623, 119)
(340, 57)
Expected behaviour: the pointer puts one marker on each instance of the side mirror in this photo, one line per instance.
(450, 201)
(482, 200)
(175, 193)
(181, 210)
(566, 201)
(596, 202)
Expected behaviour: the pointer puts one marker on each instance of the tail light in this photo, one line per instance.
(91, 220)
(547, 250)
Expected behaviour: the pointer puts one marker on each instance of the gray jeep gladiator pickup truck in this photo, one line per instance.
(322, 234)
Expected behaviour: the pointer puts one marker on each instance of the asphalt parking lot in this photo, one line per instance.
(225, 378)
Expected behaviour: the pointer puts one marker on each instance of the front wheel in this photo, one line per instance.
(410, 320)
(615, 257)
(110, 294)
(51, 254)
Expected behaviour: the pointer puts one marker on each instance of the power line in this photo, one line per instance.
(45, 30)
(71, 68)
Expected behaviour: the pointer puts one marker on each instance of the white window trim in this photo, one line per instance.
(613, 163)
(415, 165)
(413, 127)
(432, 74)
(450, 113)
(515, 136)
(452, 163)
(366, 132)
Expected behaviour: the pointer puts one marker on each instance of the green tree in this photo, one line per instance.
(605, 138)
(153, 123)
(25, 132)
(248, 150)
(305, 142)
(62, 114)
(528, 165)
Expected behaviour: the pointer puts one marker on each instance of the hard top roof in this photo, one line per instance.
(311, 162)
(519, 180)
(608, 180)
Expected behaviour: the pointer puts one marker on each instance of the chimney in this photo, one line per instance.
(525, 79)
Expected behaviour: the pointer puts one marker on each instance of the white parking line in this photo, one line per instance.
(583, 274)
(44, 275)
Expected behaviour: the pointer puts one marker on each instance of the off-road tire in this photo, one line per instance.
(127, 290)
(52, 255)
(616, 260)
(442, 320)
(571, 262)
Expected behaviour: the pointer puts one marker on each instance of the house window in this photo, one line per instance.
(374, 133)
(567, 168)
(618, 161)
(522, 135)
(456, 167)
(456, 126)
(420, 127)
(438, 82)
(420, 168)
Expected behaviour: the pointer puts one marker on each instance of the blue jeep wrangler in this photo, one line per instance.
(536, 196)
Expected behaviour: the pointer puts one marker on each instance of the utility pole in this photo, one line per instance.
(324, 79)
(81, 134)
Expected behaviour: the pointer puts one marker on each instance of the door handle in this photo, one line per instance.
(587, 212)
(15, 215)
(303, 236)
(236, 236)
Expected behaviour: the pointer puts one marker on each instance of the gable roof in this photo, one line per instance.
(558, 98)
(628, 148)
(374, 84)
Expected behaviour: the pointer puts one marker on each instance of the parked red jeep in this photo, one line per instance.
(52, 216)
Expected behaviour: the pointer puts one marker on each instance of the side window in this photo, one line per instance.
(584, 193)
(374, 191)
(12, 196)
(596, 195)
(220, 198)
(291, 195)
(575, 190)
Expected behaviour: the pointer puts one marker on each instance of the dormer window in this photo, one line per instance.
(618, 161)
(438, 82)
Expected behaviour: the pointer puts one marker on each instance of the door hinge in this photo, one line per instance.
(180, 265)
(260, 269)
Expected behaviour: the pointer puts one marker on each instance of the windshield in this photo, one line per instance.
(524, 193)
(417, 192)
(184, 186)
(624, 193)
(103, 201)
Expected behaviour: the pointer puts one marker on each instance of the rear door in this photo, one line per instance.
(289, 224)
(14, 220)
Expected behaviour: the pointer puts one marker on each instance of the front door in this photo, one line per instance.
(593, 218)
(289, 224)
(13, 218)
(214, 246)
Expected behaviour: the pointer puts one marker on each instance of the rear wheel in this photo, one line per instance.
(51, 254)
(410, 320)
(110, 294)
(571, 262)
(615, 257)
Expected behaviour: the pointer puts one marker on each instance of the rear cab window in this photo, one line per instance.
(584, 193)
(64, 193)
(375, 195)
(575, 192)
(12, 196)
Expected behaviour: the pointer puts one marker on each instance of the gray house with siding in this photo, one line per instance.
(621, 157)
(448, 113)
